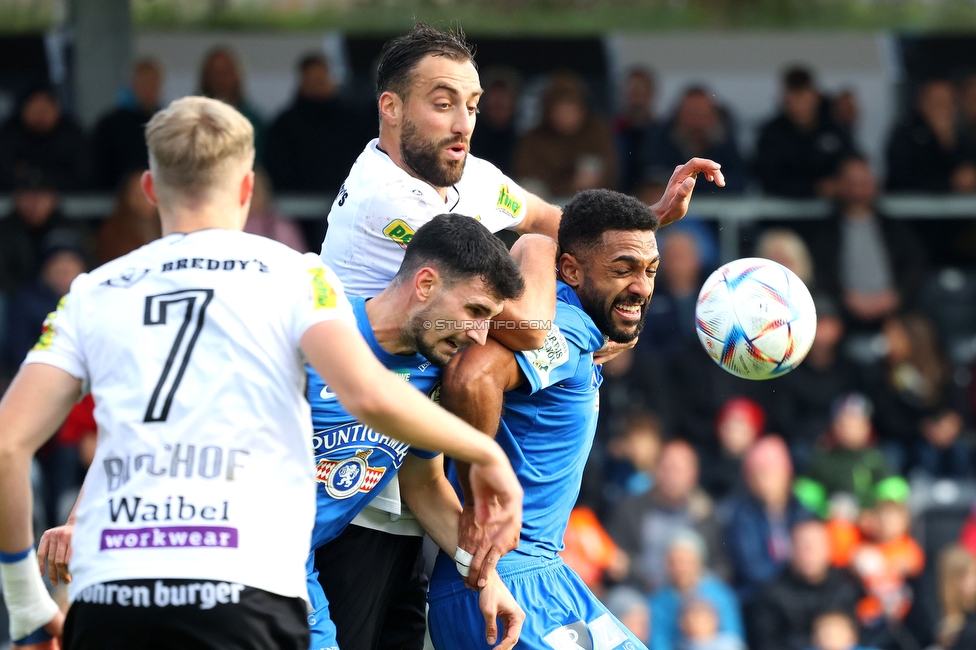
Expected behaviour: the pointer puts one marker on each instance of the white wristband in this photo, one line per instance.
(29, 604)
(463, 557)
(463, 569)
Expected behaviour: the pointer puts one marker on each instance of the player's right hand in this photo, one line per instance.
(496, 602)
(55, 628)
(474, 539)
(54, 553)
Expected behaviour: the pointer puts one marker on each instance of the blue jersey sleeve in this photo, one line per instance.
(569, 340)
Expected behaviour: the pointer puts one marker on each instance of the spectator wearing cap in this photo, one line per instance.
(699, 128)
(930, 151)
(312, 144)
(62, 260)
(847, 459)
(805, 395)
(572, 148)
(757, 536)
(22, 234)
(739, 423)
(40, 136)
(495, 138)
(630, 607)
(687, 581)
(783, 615)
(118, 141)
(643, 525)
(799, 150)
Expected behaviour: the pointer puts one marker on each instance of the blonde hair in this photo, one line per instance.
(954, 562)
(194, 141)
(785, 246)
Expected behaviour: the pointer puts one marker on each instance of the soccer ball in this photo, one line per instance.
(755, 318)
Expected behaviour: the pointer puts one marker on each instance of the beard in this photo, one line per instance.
(424, 157)
(600, 310)
(417, 334)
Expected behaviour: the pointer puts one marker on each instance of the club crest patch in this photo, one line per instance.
(346, 477)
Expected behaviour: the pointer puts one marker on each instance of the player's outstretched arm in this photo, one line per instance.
(522, 323)
(677, 195)
(35, 405)
(541, 217)
(473, 388)
(431, 498)
(383, 401)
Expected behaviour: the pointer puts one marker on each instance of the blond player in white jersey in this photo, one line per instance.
(195, 521)
(428, 91)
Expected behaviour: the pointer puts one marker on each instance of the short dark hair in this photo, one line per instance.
(461, 249)
(594, 212)
(311, 59)
(402, 54)
(797, 78)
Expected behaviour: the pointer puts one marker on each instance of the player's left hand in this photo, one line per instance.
(610, 350)
(497, 500)
(677, 195)
(54, 553)
(55, 628)
(496, 602)
(473, 538)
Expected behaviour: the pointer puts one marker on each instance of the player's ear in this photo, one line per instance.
(570, 270)
(247, 189)
(391, 108)
(424, 283)
(148, 186)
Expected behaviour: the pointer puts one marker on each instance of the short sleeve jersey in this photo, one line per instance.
(548, 424)
(380, 207)
(354, 462)
(190, 348)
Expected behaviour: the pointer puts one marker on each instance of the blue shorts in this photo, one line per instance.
(323, 629)
(561, 613)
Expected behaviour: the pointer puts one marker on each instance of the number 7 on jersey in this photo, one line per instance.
(158, 308)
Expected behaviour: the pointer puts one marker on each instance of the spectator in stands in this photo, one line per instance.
(40, 136)
(784, 246)
(61, 262)
(739, 423)
(783, 616)
(798, 150)
(871, 264)
(133, 223)
(943, 452)
(630, 607)
(22, 233)
(911, 383)
(845, 111)
(758, 534)
(632, 456)
(644, 525)
(635, 126)
(957, 598)
(118, 141)
(591, 552)
(222, 77)
(495, 138)
(572, 148)
(929, 151)
(967, 106)
(312, 144)
(689, 581)
(265, 221)
(806, 394)
(670, 323)
(835, 631)
(698, 128)
(700, 627)
(846, 459)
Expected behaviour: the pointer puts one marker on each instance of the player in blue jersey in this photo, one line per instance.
(453, 279)
(541, 406)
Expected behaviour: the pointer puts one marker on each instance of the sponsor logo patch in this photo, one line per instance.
(508, 203)
(399, 231)
(323, 295)
(169, 537)
(48, 330)
(346, 477)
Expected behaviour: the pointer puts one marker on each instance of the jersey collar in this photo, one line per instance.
(453, 196)
(386, 358)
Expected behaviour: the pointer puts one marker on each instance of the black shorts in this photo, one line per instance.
(166, 614)
(377, 589)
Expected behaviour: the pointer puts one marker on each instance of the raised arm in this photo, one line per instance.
(522, 323)
(34, 406)
(473, 388)
(379, 399)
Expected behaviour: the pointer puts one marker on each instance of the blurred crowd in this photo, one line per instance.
(827, 509)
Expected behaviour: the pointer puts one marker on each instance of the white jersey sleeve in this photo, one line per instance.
(58, 343)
